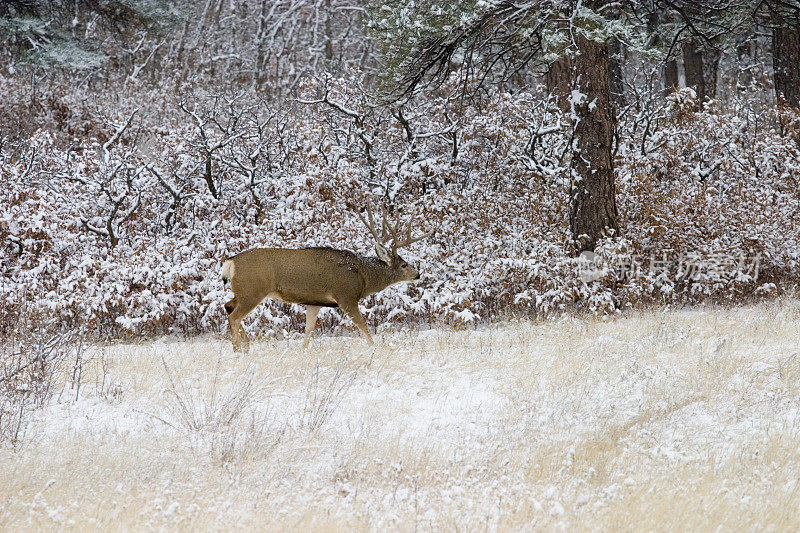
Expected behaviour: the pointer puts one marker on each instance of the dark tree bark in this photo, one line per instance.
(710, 68)
(261, 50)
(615, 75)
(593, 207)
(786, 65)
(559, 81)
(744, 60)
(328, 34)
(209, 177)
(670, 76)
(693, 67)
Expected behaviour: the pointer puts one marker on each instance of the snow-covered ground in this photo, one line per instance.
(660, 420)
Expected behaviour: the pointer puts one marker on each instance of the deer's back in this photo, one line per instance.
(312, 276)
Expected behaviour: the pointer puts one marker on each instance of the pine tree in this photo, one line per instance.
(487, 42)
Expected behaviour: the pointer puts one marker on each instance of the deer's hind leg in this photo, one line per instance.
(235, 326)
(237, 310)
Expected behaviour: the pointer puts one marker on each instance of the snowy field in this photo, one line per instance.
(662, 420)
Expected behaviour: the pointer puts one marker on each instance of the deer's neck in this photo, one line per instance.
(377, 275)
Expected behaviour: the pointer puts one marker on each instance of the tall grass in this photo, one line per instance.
(658, 420)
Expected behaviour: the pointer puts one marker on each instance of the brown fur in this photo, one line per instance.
(315, 277)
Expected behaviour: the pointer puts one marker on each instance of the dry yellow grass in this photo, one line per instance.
(659, 420)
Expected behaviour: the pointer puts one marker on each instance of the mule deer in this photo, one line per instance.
(316, 277)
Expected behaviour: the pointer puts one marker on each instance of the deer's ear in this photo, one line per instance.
(383, 254)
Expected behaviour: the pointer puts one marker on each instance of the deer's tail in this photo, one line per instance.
(227, 270)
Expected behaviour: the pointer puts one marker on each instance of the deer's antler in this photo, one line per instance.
(369, 222)
(400, 236)
(407, 240)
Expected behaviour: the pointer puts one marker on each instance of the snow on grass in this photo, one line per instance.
(659, 420)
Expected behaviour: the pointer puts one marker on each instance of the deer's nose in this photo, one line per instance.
(417, 277)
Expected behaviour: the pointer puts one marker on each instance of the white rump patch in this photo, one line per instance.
(227, 270)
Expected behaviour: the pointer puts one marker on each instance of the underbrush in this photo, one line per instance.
(29, 364)
(123, 230)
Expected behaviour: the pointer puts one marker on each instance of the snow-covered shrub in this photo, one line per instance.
(713, 191)
(123, 230)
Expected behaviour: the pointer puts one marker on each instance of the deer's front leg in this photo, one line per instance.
(351, 308)
(311, 322)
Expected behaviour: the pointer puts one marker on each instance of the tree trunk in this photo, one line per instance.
(559, 81)
(786, 65)
(670, 77)
(593, 207)
(710, 68)
(261, 48)
(209, 177)
(744, 60)
(693, 66)
(328, 34)
(615, 76)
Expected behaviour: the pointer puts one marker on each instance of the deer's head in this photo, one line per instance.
(393, 237)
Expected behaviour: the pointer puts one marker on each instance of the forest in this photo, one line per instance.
(142, 143)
